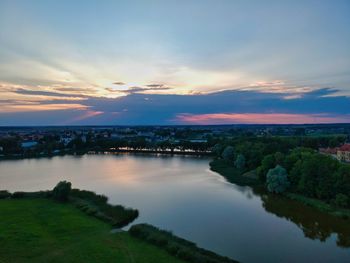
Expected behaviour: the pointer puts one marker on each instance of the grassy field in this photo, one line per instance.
(41, 230)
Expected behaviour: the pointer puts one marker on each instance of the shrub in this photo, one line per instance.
(61, 191)
(4, 194)
(179, 247)
(97, 206)
(18, 195)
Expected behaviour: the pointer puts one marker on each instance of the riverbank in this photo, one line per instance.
(233, 175)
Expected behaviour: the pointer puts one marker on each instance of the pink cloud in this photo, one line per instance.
(87, 114)
(260, 118)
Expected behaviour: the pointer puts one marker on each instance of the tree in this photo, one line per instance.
(279, 158)
(267, 163)
(240, 161)
(228, 154)
(61, 191)
(277, 180)
(217, 149)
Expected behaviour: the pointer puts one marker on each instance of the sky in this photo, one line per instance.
(164, 62)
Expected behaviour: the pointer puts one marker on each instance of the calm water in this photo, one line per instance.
(182, 195)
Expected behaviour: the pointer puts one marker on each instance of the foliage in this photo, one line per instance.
(4, 194)
(39, 194)
(61, 191)
(231, 173)
(277, 180)
(98, 206)
(176, 246)
(228, 154)
(266, 164)
(217, 150)
(240, 162)
(341, 200)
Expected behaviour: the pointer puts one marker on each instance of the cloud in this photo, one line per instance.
(118, 83)
(149, 89)
(235, 106)
(154, 85)
(321, 105)
(260, 118)
(45, 93)
(20, 108)
(85, 115)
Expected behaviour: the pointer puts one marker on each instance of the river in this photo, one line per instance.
(181, 194)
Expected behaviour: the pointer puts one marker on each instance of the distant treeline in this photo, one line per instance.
(51, 144)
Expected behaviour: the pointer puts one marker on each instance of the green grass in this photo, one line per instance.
(41, 230)
(232, 174)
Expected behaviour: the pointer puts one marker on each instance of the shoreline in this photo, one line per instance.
(233, 176)
(108, 151)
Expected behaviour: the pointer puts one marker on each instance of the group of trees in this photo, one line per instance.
(311, 174)
(293, 164)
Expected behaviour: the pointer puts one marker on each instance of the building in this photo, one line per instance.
(329, 151)
(28, 144)
(343, 153)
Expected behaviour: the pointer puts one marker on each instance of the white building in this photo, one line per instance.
(28, 144)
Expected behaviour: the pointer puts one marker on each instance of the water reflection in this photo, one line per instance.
(314, 224)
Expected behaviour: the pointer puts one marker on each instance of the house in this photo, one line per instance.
(66, 140)
(343, 153)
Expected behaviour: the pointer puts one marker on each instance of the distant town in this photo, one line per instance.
(48, 141)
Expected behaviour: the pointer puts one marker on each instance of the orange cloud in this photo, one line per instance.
(260, 118)
(40, 107)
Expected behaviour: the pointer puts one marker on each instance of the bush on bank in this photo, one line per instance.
(176, 246)
(98, 206)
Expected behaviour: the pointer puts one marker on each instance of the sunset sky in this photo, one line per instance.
(174, 62)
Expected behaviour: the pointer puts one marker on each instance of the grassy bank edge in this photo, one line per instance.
(176, 246)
